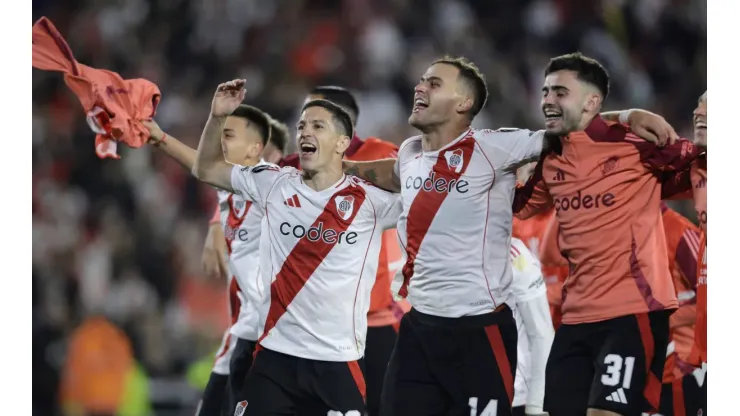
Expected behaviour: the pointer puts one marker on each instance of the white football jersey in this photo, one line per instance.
(319, 257)
(534, 326)
(241, 221)
(457, 217)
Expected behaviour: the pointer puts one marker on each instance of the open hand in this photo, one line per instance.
(652, 127)
(228, 97)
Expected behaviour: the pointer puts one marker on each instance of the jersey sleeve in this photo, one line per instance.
(534, 197)
(528, 281)
(254, 183)
(510, 148)
(672, 157)
(216, 218)
(676, 185)
(387, 207)
(402, 150)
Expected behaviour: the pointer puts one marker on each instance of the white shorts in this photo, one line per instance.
(223, 356)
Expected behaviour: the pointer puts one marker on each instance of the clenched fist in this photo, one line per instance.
(228, 97)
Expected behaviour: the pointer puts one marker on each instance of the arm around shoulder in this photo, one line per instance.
(381, 173)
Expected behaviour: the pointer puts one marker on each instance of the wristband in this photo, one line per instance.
(162, 140)
(624, 117)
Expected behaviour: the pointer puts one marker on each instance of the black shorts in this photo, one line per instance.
(452, 366)
(280, 384)
(241, 362)
(686, 396)
(378, 349)
(615, 365)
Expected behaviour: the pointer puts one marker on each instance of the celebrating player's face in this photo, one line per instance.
(320, 142)
(239, 140)
(565, 99)
(436, 97)
(700, 121)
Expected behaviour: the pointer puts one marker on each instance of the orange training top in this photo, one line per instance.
(605, 187)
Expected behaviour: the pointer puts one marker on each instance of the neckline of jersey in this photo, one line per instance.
(329, 190)
(448, 145)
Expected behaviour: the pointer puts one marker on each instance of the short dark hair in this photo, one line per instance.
(339, 114)
(340, 96)
(279, 134)
(260, 119)
(474, 79)
(587, 69)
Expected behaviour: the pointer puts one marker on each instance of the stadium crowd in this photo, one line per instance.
(124, 238)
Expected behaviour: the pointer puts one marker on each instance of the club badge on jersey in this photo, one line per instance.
(455, 160)
(345, 206)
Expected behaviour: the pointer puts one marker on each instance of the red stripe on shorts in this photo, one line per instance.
(652, 384)
(502, 359)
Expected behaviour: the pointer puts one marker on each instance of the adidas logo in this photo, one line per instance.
(559, 176)
(617, 396)
(293, 201)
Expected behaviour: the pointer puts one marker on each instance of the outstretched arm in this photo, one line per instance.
(182, 153)
(210, 164)
(381, 173)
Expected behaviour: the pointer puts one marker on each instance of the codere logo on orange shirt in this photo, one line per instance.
(579, 201)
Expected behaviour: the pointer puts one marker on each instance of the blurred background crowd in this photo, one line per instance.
(117, 243)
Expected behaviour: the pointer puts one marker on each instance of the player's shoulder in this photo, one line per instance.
(410, 146)
(270, 171)
(503, 137)
(381, 147)
(606, 131)
(370, 189)
(674, 221)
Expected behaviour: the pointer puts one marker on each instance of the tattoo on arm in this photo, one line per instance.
(354, 170)
(371, 176)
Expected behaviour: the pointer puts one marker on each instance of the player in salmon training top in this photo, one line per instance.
(319, 253)
(456, 349)
(604, 183)
(684, 390)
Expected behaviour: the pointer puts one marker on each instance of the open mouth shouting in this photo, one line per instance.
(307, 149)
(419, 104)
(552, 117)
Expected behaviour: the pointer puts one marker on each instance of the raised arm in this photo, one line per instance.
(210, 164)
(381, 173)
(182, 153)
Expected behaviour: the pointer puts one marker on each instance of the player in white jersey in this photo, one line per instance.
(534, 326)
(245, 133)
(319, 255)
(456, 349)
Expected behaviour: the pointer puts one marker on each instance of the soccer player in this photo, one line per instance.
(696, 182)
(384, 314)
(243, 137)
(456, 348)
(320, 248)
(604, 184)
(684, 390)
(535, 331)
